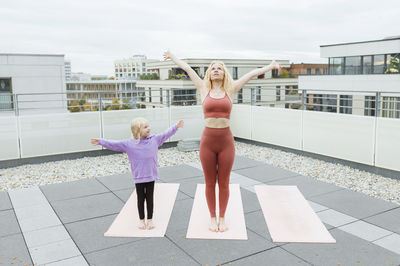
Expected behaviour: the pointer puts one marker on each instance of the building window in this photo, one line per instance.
(325, 103)
(336, 66)
(278, 93)
(184, 97)
(258, 94)
(240, 96)
(379, 64)
(274, 73)
(369, 106)
(161, 95)
(6, 102)
(234, 72)
(317, 71)
(367, 64)
(353, 65)
(391, 107)
(345, 104)
(308, 71)
(325, 71)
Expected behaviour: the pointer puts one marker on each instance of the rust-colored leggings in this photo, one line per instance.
(217, 153)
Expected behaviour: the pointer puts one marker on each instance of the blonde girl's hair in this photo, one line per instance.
(227, 82)
(136, 126)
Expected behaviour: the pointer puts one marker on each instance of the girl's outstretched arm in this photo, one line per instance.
(198, 82)
(121, 145)
(161, 138)
(238, 84)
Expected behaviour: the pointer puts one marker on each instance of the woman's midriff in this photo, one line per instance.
(217, 122)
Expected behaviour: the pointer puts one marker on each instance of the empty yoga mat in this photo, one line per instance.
(127, 221)
(289, 217)
(234, 216)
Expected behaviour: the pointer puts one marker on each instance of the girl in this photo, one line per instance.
(142, 153)
(217, 150)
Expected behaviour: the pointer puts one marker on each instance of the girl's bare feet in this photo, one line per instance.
(221, 225)
(213, 227)
(150, 224)
(142, 225)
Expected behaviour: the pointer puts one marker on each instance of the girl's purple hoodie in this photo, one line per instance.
(142, 155)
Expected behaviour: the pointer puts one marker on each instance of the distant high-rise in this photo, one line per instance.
(132, 67)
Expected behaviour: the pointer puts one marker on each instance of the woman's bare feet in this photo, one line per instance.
(213, 227)
(142, 225)
(221, 225)
(150, 224)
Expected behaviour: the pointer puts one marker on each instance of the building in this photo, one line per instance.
(35, 81)
(307, 69)
(131, 68)
(80, 76)
(170, 76)
(363, 79)
(89, 91)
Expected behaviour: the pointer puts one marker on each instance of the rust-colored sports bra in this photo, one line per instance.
(220, 108)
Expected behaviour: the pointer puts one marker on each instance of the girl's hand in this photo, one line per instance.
(95, 141)
(179, 124)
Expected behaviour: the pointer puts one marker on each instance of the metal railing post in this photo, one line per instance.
(15, 100)
(377, 104)
(304, 100)
(168, 98)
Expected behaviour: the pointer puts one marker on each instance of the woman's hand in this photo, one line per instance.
(167, 55)
(274, 65)
(179, 124)
(94, 141)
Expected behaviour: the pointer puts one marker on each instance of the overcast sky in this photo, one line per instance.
(92, 34)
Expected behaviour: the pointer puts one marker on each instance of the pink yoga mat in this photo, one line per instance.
(289, 217)
(126, 223)
(234, 216)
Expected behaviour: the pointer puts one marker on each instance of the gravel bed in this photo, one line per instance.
(68, 170)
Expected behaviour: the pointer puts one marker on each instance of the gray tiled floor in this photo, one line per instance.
(86, 208)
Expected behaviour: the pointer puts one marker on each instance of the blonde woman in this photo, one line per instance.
(142, 152)
(217, 150)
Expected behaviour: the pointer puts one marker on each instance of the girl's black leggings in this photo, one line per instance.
(145, 192)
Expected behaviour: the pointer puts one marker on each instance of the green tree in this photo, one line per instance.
(74, 107)
(284, 74)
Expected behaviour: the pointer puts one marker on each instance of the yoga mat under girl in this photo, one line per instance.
(289, 217)
(127, 221)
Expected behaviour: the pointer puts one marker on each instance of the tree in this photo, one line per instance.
(74, 107)
(284, 74)
(115, 105)
(393, 66)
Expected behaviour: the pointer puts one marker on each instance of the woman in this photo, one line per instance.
(217, 150)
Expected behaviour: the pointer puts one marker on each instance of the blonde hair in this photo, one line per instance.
(137, 125)
(226, 83)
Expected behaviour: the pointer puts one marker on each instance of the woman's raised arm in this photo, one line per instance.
(238, 84)
(198, 82)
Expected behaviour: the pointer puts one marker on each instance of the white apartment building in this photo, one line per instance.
(359, 74)
(131, 68)
(184, 93)
(37, 80)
